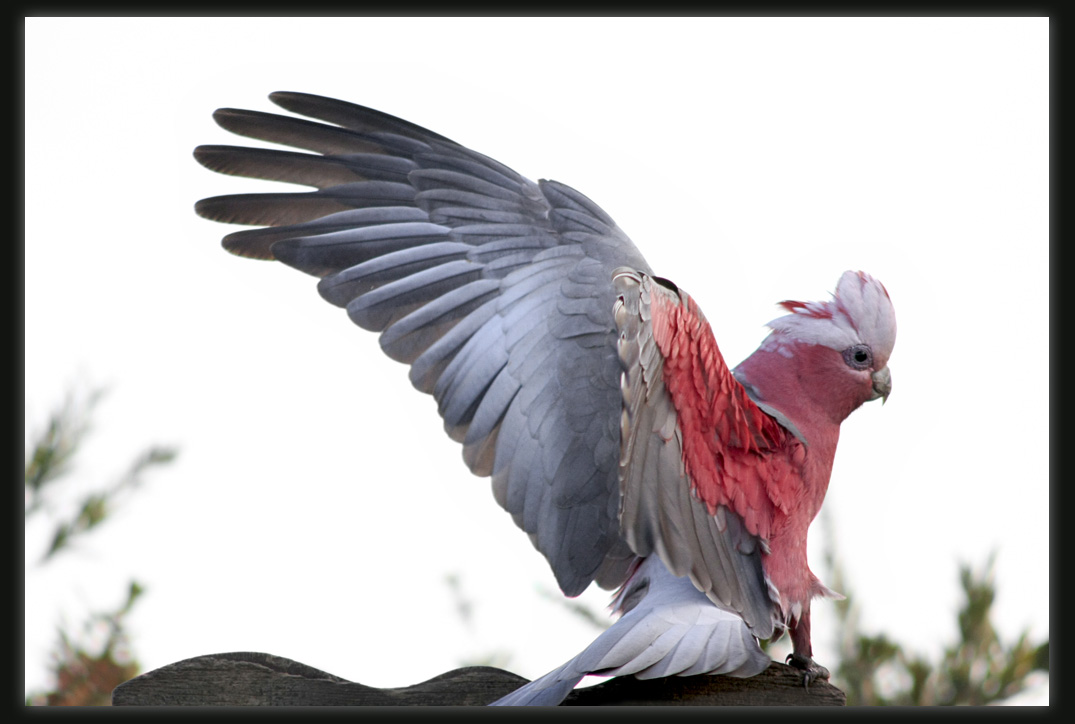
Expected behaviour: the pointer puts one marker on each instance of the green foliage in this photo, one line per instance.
(50, 455)
(975, 670)
(49, 461)
(85, 673)
(86, 667)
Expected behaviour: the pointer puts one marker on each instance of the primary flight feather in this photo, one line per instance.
(591, 391)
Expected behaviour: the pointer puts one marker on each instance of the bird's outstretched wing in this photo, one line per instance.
(499, 293)
(495, 290)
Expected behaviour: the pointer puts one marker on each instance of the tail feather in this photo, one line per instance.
(674, 630)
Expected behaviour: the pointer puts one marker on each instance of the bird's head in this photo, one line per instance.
(840, 347)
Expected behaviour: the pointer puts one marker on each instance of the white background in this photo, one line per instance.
(316, 505)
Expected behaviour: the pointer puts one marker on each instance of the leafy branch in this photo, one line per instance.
(49, 460)
(83, 673)
(977, 669)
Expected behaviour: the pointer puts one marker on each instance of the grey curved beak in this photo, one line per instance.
(882, 384)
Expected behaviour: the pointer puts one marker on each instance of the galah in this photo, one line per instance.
(590, 390)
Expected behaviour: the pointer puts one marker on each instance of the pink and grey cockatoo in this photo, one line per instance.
(590, 390)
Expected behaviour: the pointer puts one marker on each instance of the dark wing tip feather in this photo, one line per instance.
(269, 209)
(246, 243)
(241, 243)
(206, 155)
(351, 115)
(296, 132)
(237, 119)
(273, 165)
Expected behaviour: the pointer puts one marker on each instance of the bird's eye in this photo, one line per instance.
(858, 357)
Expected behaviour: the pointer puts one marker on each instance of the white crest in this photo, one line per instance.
(860, 312)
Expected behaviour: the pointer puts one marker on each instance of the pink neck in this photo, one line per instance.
(801, 387)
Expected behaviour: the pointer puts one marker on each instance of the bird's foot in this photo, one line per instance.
(812, 670)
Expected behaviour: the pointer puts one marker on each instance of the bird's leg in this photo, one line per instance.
(802, 652)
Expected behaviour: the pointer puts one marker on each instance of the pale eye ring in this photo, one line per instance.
(858, 356)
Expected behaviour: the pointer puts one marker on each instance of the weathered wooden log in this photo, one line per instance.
(256, 679)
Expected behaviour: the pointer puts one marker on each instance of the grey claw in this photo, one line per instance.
(812, 671)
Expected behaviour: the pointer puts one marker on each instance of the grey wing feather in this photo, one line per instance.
(335, 230)
(494, 288)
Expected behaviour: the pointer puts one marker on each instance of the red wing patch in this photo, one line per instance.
(733, 452)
